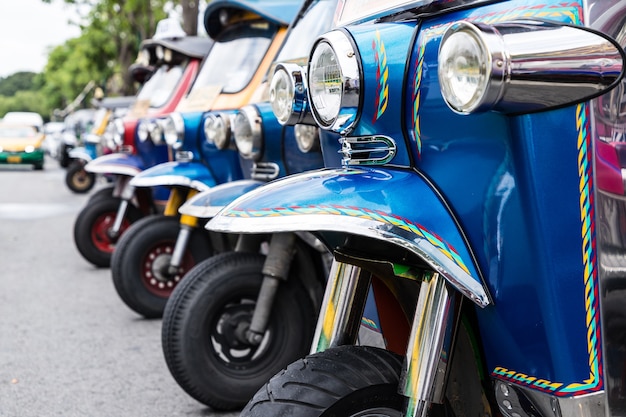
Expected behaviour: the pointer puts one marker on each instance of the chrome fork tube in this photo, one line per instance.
(428, 351)
(114, 231)
(342, 306)
(179, 248)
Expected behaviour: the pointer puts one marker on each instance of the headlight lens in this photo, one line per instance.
(173, 129)
(118, 131)
(281, 96)
(217, 130)
(464, 68)
(143, 130)
(334, 82)
(247, 132)
(307, 137)
(29, 149)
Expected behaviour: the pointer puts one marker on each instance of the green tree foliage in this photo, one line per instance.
(20, 81)
(111, 33)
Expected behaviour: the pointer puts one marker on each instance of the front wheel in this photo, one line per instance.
(205, 322)
(78, 179)
(346, 381)
(92, 226)
(140, 265)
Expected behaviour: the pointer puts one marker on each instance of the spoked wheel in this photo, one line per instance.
(140, 265)
(347, 381)
(205, 325)
(78, 179)
(92, 229)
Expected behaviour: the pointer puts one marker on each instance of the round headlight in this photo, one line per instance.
(143, 130)
(159, 52)
(334, 82)
(470, 68)
(173, 129)
(156, 132)
(118, 131)
(281, 95)
(29, 149)
(307, 137)
(217, 130)
(247, 132)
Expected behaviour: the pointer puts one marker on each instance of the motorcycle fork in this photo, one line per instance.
(187, 224)
(275, 269)
(432, 334)
(126, 193)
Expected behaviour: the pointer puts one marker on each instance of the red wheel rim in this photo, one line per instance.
(155, 265)
(100, 231)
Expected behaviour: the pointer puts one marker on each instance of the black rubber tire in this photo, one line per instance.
(339, 382)
(143, 250)
(89, 229)
(38, 166)
(226, 286)
(77, 179)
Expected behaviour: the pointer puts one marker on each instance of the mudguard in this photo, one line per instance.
(116, 163)
(397, 206)
(80, 153)
(184, 174)
(208, 203)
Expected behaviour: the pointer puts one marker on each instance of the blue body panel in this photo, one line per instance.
(510, 196)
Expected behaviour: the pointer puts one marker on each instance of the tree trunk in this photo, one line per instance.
(190, 16)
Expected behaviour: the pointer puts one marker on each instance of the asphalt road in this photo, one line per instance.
(68, 345)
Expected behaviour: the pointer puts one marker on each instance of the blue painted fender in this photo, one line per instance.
(116, 163)
(397, 206)
(208, 203)
(185, 174)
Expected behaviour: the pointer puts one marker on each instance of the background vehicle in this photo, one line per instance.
(152, 259)
(21, 143)
(468, 204)
(98, 226)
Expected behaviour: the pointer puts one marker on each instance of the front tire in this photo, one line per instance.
(140, 262)
(345, 381)
(206, 318)
(77, 179)
(92, 225)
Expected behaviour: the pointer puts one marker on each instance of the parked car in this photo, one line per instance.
(21, 143)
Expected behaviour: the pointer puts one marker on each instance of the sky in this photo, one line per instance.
(29, 29)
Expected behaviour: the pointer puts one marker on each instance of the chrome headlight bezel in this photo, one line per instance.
(248, 133)
(471, 67)
(174, 129)
(217, 130)
(288, 94)
(335, 49)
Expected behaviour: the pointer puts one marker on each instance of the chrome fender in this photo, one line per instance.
(183, 174)
(397, 206)
(208, 203)
(80, 153)
(116, 163)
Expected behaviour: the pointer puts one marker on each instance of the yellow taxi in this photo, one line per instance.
(21, 143)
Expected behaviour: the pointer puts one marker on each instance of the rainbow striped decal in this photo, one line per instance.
(589, 258)
(362, 213)
(572, 12)
(382, 76)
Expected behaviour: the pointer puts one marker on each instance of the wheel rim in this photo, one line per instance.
(100, 231)
(155, 273)
(228, 335)
(81, 180)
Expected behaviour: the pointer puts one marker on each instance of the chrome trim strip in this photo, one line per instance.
(517, 401)
(265, 171)
(367, 150)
